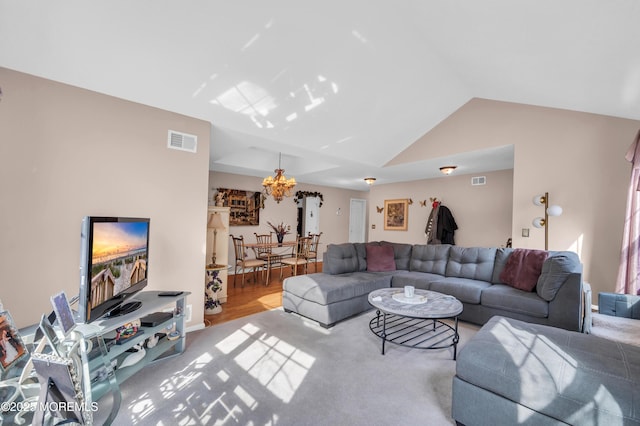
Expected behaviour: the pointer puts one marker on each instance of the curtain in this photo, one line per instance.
(629, 270)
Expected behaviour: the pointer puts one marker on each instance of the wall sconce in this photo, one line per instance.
(539, 222)
(370, 180)
(447, 170)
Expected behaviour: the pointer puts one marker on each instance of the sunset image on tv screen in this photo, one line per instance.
(119, 256)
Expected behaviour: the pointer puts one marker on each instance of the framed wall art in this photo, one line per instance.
(396, 215)
(244, 206)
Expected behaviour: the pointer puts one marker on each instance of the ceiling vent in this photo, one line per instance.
(182, 141)
(479, 180)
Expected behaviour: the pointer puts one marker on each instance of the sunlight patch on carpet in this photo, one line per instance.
(276, 365)
(245, 397)
(143, 406)
(237, 338)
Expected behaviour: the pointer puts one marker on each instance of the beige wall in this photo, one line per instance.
(61, 158)
(482, 213)
(334, 224)
(577, 157)
(65, 153)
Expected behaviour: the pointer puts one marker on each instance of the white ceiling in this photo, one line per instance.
(339, 87)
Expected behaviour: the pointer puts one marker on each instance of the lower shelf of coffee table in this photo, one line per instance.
(415, 332)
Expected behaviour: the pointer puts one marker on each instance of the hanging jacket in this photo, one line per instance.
(432, 225)
(446, 226)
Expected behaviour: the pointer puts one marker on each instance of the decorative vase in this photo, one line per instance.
(280, 238)
(215, 310)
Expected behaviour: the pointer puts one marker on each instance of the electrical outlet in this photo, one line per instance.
(525, 232)
(373, 226)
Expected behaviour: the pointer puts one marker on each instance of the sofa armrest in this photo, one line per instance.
(587, 302)
(566, 309)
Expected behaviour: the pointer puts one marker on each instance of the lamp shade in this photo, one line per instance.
(538, 222)
(538, 200)
(215, 221)
(554, 210)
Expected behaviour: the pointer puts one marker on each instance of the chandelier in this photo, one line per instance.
(278, 186)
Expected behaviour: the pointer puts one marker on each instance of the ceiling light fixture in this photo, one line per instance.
(278, 186)
(447, 170)
(370, 180)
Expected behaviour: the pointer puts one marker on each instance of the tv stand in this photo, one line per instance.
(124, 309)
(102, 360)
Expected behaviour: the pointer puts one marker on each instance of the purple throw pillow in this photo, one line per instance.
(380, 258)
(523, 268)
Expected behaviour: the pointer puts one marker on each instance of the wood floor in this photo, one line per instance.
(252, 298)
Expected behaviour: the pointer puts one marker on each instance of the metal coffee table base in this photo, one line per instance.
(415, 332)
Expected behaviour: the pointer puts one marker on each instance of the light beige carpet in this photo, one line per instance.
(275, 368)
(625, 330)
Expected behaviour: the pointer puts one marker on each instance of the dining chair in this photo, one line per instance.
(265, 252)
(242, 262)
(298, 255)
(313, 250)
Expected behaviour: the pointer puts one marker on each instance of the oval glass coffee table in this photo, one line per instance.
(415, 322)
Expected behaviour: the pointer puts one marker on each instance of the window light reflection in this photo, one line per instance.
(246, 98)
(143, 405)
(237, 338)
(576, 246)
(251, 41)
(246, 397)
(272, 363)
(276, 365)
(359, 36)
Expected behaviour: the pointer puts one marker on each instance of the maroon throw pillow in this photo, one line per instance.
(523, 268)
(380, 258)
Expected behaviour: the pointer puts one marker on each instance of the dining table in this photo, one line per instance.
(277, 252)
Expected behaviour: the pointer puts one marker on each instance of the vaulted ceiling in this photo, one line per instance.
(338, 87)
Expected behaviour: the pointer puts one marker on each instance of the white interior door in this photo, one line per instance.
(311, 216)
(357, 220)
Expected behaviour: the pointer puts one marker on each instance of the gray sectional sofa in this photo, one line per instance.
(472, 275)
(531, 374)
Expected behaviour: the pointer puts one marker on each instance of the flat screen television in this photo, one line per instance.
(113, 265)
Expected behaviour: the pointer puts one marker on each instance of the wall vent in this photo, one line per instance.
(479, 180)
(182, 141)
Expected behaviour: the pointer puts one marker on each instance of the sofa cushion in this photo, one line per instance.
(464, 289)
(326, 289)
(420, 280)
(401, 254)
(502, 255)
(361, 251)
(429, 258)
(555, 271)
(523, 268)
(475, 263)
(380, 258)
(507, 298)
(340, 259)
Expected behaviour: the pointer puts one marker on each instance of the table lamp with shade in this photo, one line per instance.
(215, 223)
